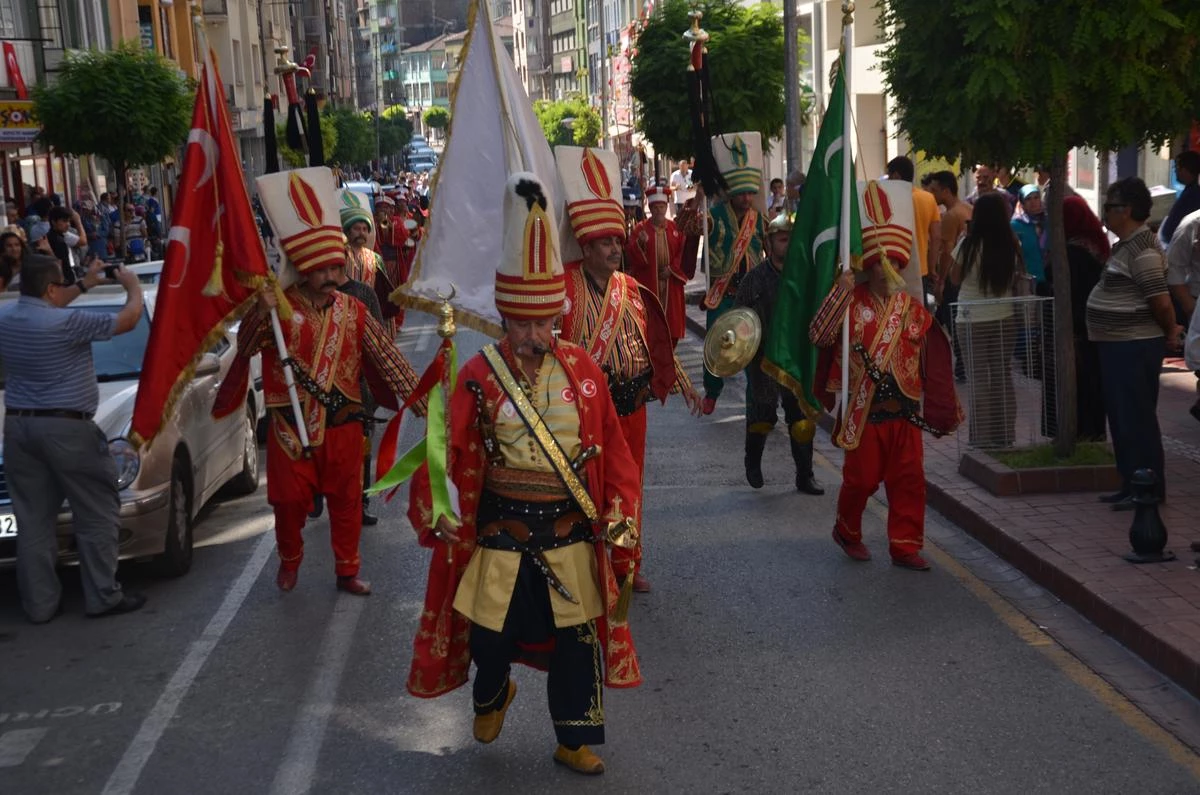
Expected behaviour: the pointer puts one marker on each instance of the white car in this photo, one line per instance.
(163, 486)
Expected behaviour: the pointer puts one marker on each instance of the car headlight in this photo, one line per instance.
(129, 461)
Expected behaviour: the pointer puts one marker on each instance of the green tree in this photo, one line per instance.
(129, 106)
(355, 135)
(437, 117)
(297, 159)
(1024, 81)
(746, 71)
(395, 132)
(568, 122)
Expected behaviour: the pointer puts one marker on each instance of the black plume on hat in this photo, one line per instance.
(531, 192)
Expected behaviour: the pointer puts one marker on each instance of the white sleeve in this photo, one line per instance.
(1180, 253)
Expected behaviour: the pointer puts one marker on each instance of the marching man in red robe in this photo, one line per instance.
(654, 256)
(618, 321)
(332, 341)
(881, 431)
(544, 479)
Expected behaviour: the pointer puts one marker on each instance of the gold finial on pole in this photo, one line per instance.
(847, 12)
(446, 328)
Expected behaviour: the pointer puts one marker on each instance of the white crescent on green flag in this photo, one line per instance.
(812, 259)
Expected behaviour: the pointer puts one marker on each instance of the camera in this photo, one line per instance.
(110, 271)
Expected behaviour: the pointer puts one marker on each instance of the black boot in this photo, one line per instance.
(755, 444)
(368, 519)
(318, 507)
(802, 454)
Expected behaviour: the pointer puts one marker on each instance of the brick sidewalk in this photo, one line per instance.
(1072, 544)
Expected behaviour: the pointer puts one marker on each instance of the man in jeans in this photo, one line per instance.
(1132, 322)
(52, 449)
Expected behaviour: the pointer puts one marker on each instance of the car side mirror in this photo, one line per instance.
(209, 364)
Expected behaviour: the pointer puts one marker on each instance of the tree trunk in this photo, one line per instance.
(1064, 325)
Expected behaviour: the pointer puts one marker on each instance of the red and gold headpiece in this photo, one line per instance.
(530, 283)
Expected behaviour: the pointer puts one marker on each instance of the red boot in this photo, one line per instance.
(353, 585)
(855, 550)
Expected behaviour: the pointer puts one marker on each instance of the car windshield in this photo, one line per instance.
(116, 359)
(120, 358)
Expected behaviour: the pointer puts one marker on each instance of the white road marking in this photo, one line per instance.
(129, 769)
(295, 773)
(423, 339)
(16, 745)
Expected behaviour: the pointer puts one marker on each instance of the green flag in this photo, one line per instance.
(812, 258)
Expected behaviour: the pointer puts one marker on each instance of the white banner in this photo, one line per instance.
(493, 133)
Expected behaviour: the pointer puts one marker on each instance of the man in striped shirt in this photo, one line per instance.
(1132, 322)
(52, 448)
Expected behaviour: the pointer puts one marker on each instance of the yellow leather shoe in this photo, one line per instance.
(581, 760)
(487, 727)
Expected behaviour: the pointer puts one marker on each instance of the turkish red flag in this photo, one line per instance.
(214, 263)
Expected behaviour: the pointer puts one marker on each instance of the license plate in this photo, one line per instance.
(8, 525)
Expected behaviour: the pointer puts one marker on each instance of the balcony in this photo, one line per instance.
(218, 8)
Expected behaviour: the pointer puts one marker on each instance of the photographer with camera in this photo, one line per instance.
(52, 448)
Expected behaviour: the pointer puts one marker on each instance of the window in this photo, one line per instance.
(238, 77)
(256, 64)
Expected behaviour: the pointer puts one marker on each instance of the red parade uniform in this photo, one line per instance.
(622, 328)
(888, 451)
(441, 654)
(334, 346)
(898, 357)
(654, 256)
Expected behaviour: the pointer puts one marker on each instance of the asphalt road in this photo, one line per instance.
(772, 664)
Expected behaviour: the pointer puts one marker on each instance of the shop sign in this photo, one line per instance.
(16, 122)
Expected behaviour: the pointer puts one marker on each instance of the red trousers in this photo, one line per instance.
(890, 453)
(336, 471)
(634, 428)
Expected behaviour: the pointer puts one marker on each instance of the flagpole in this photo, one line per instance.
(849, 189)
(281, 346)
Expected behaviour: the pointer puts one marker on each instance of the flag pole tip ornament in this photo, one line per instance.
(887, 228)
(591, 183)
(446, 328)
(530, 282)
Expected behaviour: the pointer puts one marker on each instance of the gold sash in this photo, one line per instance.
(550, 447)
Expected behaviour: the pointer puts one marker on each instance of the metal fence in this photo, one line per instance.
(1004, 368)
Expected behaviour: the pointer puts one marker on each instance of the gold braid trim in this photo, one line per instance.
(795, 387)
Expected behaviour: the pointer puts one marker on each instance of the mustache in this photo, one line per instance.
(329, 283)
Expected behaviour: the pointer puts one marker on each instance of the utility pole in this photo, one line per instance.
(791, 129)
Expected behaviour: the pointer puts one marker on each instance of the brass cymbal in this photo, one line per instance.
(732, 341)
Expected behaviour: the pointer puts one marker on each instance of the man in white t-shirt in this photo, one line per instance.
(681, 186)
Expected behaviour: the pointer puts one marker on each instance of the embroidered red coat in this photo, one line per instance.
(337, 346)
(902, 339)
(441, 651)
(641, 259)
(579, 316)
